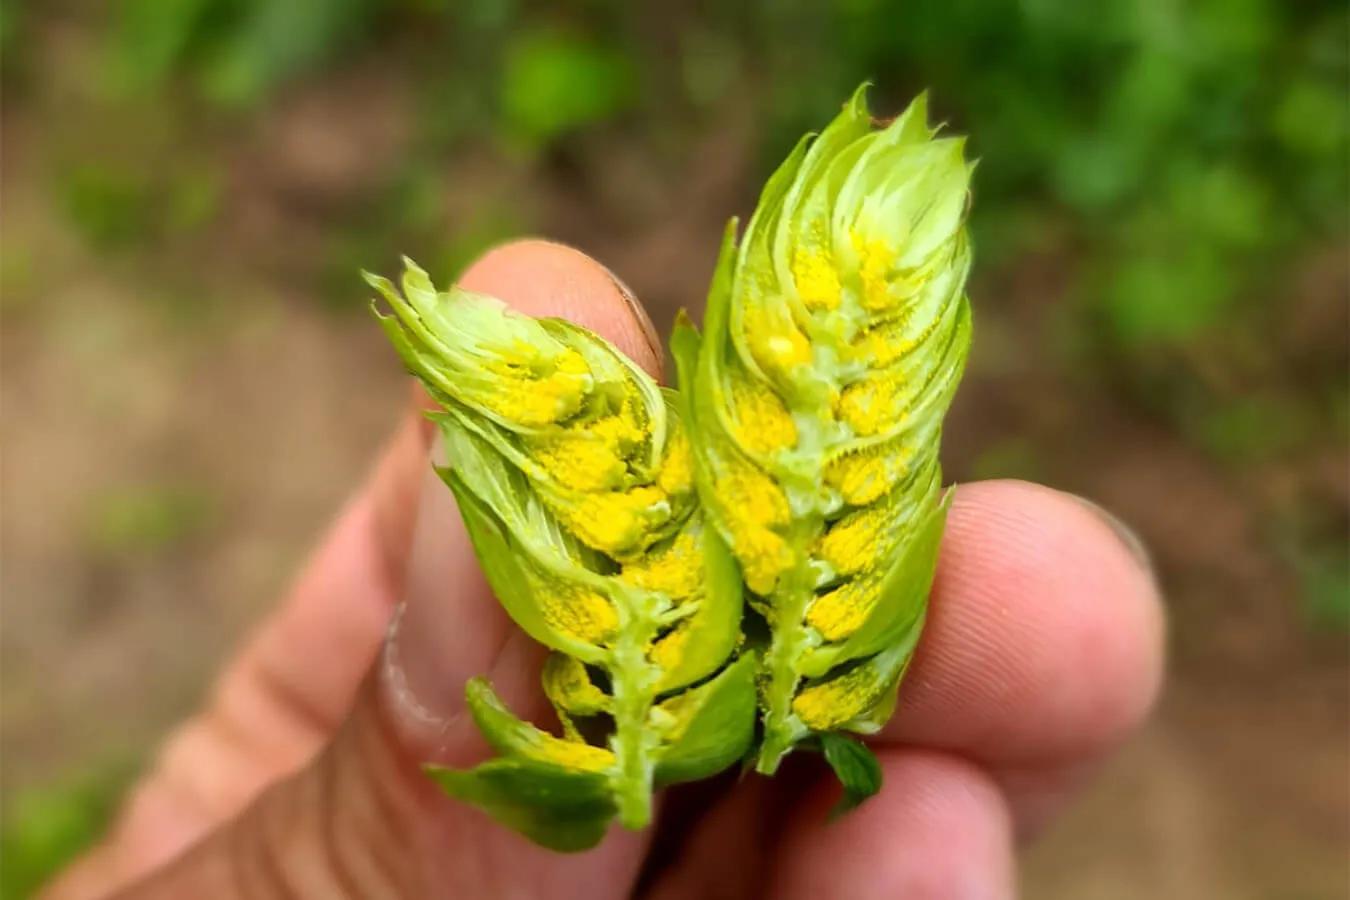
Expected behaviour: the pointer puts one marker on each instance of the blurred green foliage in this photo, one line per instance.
(145, 519)
(1183, 158)
(45, 826)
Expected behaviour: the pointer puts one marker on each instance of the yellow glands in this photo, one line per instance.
(763, 554)
(527, 396)
(853, 543)
(830, 704)
(581, 461)
(590, 455)
(869, 406)
(677, 570)
(570, 362)
(815, 274)
(615, 522)
(567, 684)
(569, 754)
(776, 343)
(752, 505)
(534, 403)
(578, 611)
(624, 430)
(882, 345)
(875, 260)
(864, 476)
(761, 423)
(667, 650)
(842, 611)
(676, 475)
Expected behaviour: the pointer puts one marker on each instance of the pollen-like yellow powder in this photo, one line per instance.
(580, 461)
(842, 611)
(775, 341)
(869, 406)
(830, 704)
(677, 570)
(568, 685)
(875, 261)
(852, 544)
(537, 401)
(622, 430)
(817, 279)
(615, 522)
(762, 424)
(578, 611)
(572, 363)
(863, 476)
(571, 754)
(753, 506)
(676, 475)
(669, 649)
(882, 345)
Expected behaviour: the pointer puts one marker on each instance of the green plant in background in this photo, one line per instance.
(836, 334)
(44, 827)
(573, 475)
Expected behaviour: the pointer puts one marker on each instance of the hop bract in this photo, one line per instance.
(574, 476)
(836, 333)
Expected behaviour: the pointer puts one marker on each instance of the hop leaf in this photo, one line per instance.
(574, 476)
(836, 333)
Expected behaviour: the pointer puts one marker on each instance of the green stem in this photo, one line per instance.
(788, 642)
(634, 680)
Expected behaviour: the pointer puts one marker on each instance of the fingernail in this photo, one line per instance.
(1127, 535)
(448, 627)
(639, 312)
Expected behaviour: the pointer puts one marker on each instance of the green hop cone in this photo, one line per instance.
(573, 473)
(835, 335)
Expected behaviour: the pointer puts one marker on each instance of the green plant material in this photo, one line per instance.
(573, 474)
(554, 83)
(855, 766)
(140, 520)
(111, 207)
(836, 333)
(46, 826)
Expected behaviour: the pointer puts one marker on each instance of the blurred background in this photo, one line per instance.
(191, 383)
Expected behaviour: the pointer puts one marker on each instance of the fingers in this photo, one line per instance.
(362, 821)
(1044, 641)
(940, 830)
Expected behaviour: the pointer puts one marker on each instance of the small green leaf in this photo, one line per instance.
(855, 766)
(559, 808)
(715, 722)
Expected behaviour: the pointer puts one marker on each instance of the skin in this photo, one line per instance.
(300, 775)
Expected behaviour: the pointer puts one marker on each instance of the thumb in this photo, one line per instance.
(361, 820)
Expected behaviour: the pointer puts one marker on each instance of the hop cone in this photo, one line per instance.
(836, 333)
(573, 474)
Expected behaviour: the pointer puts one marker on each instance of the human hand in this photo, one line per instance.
(301, 777)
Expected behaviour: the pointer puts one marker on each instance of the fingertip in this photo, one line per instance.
(544, 278)
(1113, 624)
(939, 828)
(1045, 631)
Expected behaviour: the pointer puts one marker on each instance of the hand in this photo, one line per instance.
(301, 776)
